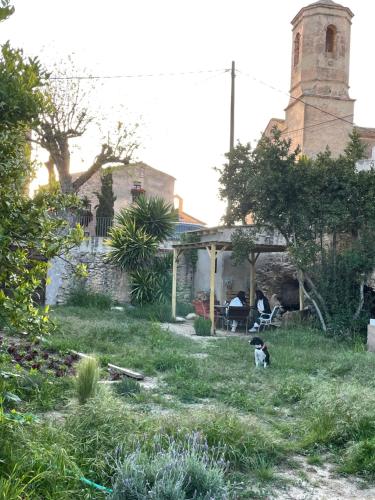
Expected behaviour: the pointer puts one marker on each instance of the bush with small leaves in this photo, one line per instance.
(172, 470)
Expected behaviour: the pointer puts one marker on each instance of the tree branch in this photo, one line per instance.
(104, 157)
(361, 299)
(320, 315)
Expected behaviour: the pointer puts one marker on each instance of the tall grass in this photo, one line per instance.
(81, 297)
(87, 379)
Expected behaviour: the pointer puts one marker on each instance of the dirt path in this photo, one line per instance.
(312, 482)
(187, 330)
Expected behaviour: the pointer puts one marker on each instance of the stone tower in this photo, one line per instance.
(319, 87)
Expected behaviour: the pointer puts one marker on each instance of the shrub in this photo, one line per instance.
(180, 471)
(87, 379)
(183, 309)
(202, 326)
(161, 313)
(127, 387)
(360, 458)
(80, 297)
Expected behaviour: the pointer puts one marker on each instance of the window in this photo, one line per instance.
(331, 40)
(137, 190)
(297, 42)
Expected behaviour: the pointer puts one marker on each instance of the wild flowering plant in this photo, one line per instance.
(171, 469)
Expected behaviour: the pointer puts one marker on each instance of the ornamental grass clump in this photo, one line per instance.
(172, 470)
(87, 379)
(202, 327)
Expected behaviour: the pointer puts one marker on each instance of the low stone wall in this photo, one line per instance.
(102, 277)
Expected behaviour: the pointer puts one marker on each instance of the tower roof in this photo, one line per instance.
(328, 4)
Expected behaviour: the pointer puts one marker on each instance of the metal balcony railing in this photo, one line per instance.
(100, 226)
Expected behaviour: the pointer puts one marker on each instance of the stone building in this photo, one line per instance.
(320, 111)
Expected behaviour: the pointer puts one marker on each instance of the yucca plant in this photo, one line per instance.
(154, 215)
(87, 379)
(135, 239)
(132, 245)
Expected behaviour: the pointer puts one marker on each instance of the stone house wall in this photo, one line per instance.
(153, 181)
(102, 277)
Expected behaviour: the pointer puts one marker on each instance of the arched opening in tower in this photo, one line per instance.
(331, 39)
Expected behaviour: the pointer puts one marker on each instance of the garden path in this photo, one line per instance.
(319, 482)
(187, 330)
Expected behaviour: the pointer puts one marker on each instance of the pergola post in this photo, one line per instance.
(252, 279)
(212, 287)
(300, 289)
(174, 282)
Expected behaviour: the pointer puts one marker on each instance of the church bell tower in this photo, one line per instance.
(320, 111)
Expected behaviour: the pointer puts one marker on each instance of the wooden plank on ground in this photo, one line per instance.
(81, 354)
(127, 372)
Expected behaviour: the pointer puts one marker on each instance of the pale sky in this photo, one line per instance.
(185, 118)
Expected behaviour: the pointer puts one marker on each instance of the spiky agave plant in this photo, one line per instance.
(131, 245)
(154, 215)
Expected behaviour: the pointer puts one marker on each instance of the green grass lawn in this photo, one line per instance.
(316, 399)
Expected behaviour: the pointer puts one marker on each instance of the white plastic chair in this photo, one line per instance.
(266, 319)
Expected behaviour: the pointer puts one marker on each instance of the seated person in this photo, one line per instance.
(238, 301)
(262, 305)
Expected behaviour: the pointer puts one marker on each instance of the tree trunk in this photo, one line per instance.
(361, 300)
(318, 311)
(50, 166)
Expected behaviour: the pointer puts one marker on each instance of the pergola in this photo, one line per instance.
(216, 245)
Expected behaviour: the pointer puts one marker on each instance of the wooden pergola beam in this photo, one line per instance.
(174, 282)
(212, 287)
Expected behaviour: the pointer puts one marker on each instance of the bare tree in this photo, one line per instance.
(68, 117)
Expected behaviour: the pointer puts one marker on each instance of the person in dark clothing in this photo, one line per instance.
(262, 305)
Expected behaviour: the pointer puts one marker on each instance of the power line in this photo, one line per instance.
(139, 75)
(295, 98)
(313, 125)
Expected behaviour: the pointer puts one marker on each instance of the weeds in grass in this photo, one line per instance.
(360, 458)
(127, 387)
(87, 379)
(152, 312)
(314, 460)
(335, 414)
(80, 297)
(292, 389)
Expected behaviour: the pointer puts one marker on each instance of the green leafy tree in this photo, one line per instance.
(135, 239)
(31, 231)
(324, 209)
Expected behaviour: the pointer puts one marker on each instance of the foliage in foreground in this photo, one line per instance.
(324, 209)
(135, 240)
(316, 399)
(31, 230)
(177, 471)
